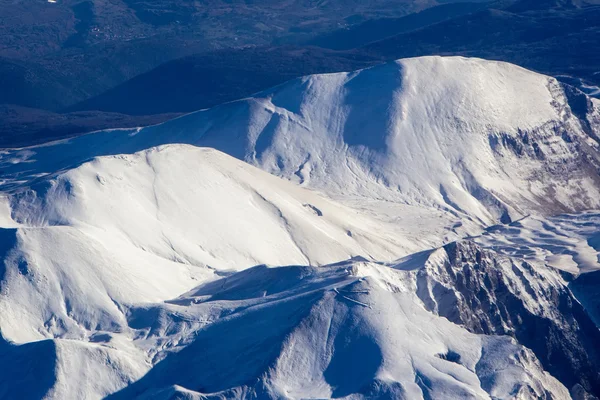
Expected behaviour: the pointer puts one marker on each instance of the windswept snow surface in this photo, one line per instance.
(132, 260)
(569, 242)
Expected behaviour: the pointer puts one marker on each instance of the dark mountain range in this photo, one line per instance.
(553, 37)
(162, 64)
(377, 29)
(21, 126)
(89, 47)
(204, 80)
(556, 40)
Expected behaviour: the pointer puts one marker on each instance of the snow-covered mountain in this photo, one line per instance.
(134, 260)
(351, 329)
(485, 140)
(361, 329)
(146, 227)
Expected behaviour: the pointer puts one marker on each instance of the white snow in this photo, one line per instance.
(569, 242)
(147, 227)
(351, 330)
(476, 138)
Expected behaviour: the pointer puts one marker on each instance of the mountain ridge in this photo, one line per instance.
(312, 131)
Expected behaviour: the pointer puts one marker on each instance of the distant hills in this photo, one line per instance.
(167, 66)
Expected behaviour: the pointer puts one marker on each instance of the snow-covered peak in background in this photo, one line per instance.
(134, 252)
(485, 140)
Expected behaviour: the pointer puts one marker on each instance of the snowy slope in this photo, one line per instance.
(362, 330)
(82, 247)
(353, 329)
(569, 242)
(294, 331)
(146, 227)
(484, 140)
(431, 325)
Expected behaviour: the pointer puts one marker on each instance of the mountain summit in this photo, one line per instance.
(488, 141)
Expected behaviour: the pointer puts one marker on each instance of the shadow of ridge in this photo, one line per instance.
(366, 94)
(30, 369)
(234, 352)
(364, 357)
(258, 281)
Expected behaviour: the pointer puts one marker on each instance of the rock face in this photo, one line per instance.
(492, 294)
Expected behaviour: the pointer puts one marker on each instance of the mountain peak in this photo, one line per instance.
(464, 135)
